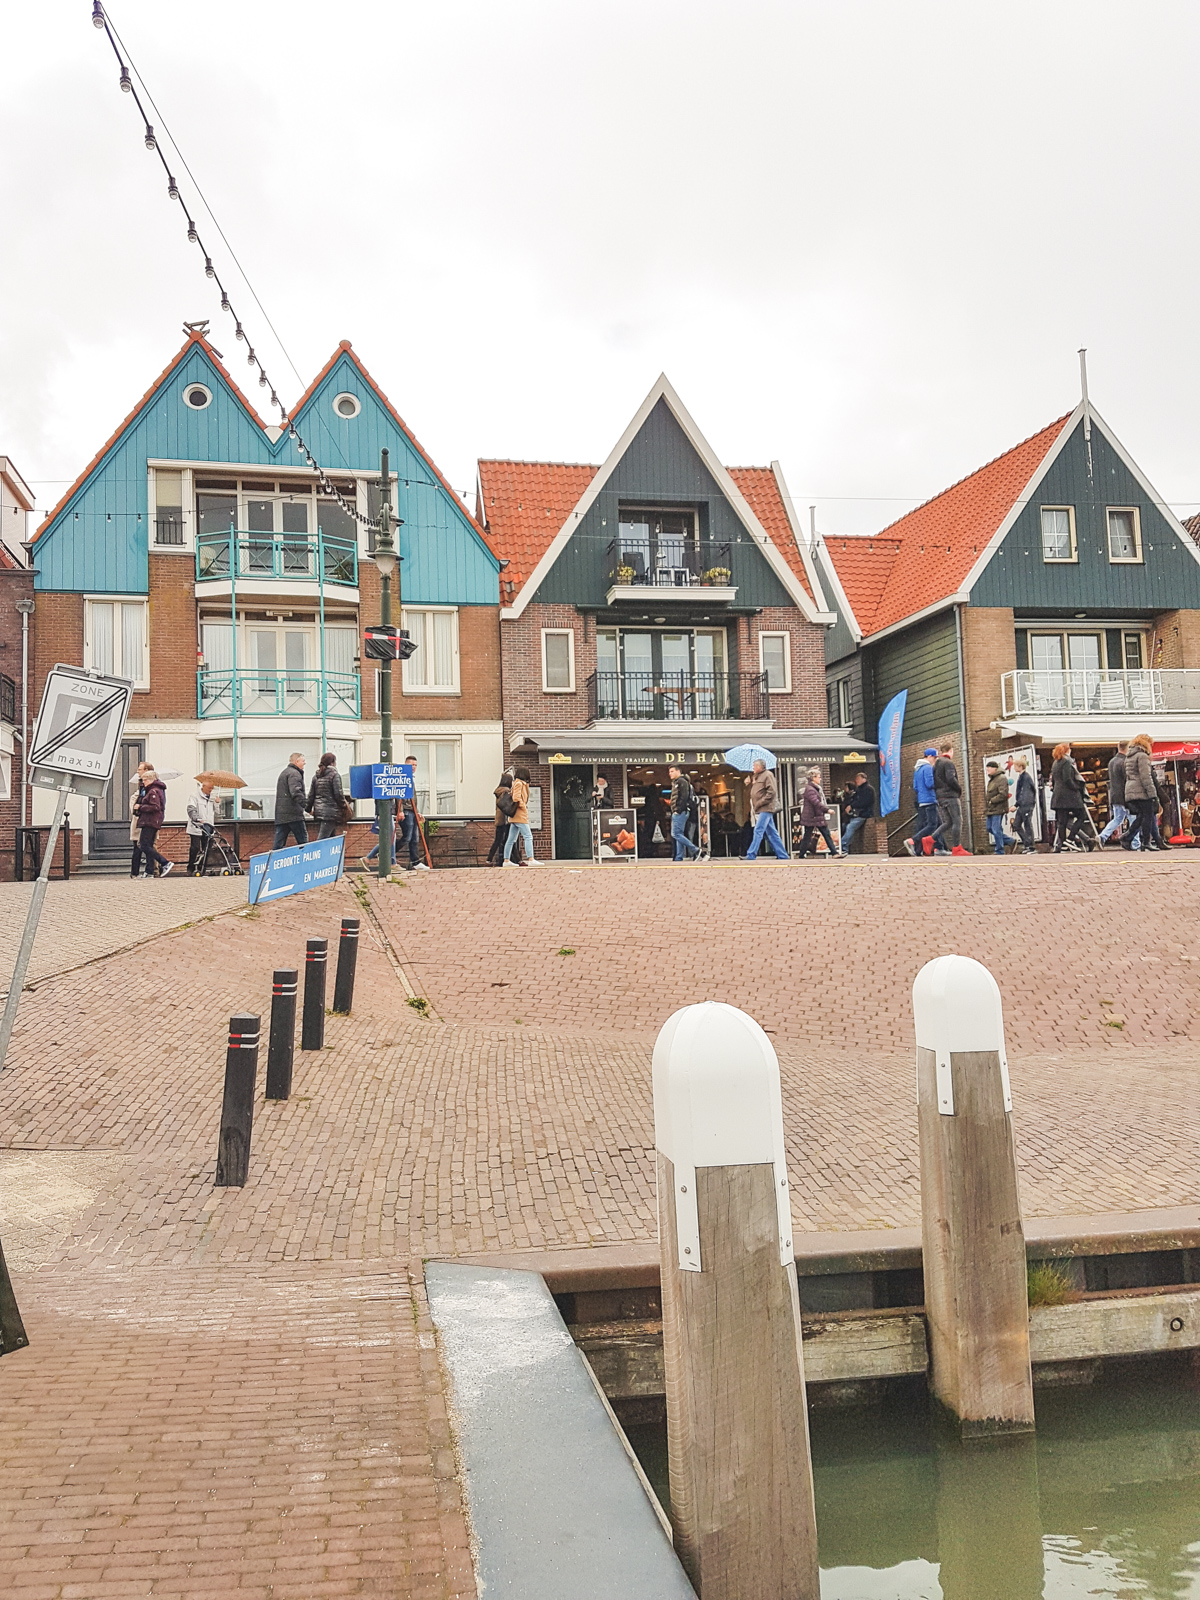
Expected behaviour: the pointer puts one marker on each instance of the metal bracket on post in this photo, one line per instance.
(717, 1103)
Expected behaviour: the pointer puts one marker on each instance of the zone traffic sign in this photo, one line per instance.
(79, 725)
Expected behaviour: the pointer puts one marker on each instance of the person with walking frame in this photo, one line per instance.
(201, 824)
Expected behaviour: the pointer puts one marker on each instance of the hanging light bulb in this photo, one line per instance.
(275, 399)
(172, 188)
(97, 14)
(209, 270)
(193, 236)
(224, 301)
(239, 334)
(126, 80)
(250, 358)
(262, 379)
(150, 142)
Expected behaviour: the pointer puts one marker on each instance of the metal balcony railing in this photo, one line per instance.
(8, 699)
(677, 696)
(668, 563)
(1096, 691)
(248, 692)
(295, 557)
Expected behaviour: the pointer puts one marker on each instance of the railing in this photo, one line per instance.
(248, 692)
(8, 699)
(667, 563)
(169, 529)
(677, 696)
(1095, 691)
(292, 556)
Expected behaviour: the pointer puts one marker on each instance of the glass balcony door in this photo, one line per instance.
(282, 548)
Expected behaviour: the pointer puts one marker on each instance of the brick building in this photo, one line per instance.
(658, 607)
(1051, 595)
(16, 624)
(198, 556)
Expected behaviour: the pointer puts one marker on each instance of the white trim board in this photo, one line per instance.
(835, 584)
(824, 614)
(663, 390)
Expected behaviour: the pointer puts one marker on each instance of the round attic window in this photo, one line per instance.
(197, 396)
(347, 406)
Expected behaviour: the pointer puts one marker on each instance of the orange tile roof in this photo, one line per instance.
(524, 504)
(761, 490)
(1192, 524)
(926, 555)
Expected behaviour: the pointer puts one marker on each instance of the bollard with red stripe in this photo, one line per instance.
(284, 987)
(237, 1109)
(343, 983)
(312, 1025)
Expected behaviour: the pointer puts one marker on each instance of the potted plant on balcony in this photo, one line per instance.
(625, 575)
(716, 577)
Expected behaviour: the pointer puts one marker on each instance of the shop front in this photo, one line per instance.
(634, 766)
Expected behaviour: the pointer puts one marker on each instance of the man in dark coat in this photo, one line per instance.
(1116, 793)
(862, 807)
(948, 792)
(289, 803)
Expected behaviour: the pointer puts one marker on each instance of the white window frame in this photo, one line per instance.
(773, 633)
(187, 504)
(1059, 561)
(434, 689)
(141, 682)
(1135, 560)
(558, 633)
(845, 713)
(430, 743)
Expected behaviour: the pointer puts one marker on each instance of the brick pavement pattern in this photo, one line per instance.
(234, 1390)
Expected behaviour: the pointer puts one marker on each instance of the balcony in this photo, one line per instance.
(8, 699)
(290, 557)
(221, 692)
(1097, 692)
(673, 567)
(677, 696)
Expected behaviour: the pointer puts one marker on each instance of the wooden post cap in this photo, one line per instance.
(957, 1010)
(717, 1103)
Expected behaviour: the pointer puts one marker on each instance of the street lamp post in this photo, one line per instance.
(386, 559)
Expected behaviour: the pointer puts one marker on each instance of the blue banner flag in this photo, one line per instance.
(891, 726)
(294, 868)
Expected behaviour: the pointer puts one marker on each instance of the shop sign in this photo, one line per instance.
(614, 835)
(1007, 760)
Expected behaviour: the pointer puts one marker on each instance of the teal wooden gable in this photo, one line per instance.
(1167, 577)
(660, 466)
(97, 540)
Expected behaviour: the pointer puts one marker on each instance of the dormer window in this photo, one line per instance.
(657, 547)
(1058, 533)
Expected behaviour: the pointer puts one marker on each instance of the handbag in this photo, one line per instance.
(347, 810)
(506, 804)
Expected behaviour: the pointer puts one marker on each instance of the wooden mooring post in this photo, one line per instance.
(972, 1238)
(737, 1421)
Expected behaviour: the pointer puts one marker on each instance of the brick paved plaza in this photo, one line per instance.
(236, 1391)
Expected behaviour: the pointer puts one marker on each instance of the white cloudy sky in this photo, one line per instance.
(863, 237)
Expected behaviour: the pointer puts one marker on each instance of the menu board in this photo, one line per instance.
(614, 835)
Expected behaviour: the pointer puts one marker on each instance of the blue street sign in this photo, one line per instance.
(294, 868)
(391, 782)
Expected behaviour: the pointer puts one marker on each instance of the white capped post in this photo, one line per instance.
(737, 1421)
(973, 1240)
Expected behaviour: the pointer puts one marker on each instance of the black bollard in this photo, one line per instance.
(343, 983)
(237, 1109)
(312, 1026)
(284, 985)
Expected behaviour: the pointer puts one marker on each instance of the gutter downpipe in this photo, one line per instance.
(962, 711)
(24, 607)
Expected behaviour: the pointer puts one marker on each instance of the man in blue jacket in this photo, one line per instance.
(926, 803)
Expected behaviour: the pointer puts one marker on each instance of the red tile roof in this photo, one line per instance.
(524, 504)
(926, 555)
(1192, 524)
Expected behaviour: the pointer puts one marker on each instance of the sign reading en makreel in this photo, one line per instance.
(280, 873)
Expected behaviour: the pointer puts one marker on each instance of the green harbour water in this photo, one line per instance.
(1103, 1502)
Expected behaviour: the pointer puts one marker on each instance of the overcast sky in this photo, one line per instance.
(866, 237)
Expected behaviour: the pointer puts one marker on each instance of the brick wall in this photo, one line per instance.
(58, 630)
(804, 707)
(16, 586)
(526, 705)
(1179, 632)
(989, 650)
(172, 624)
(478, 673)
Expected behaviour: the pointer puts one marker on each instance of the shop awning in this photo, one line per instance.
(690, 743)
(1183, 751)
(1098, 728)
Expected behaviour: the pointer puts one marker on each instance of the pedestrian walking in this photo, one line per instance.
(289, 803)
(862, 809)
(411, 834)
(201, 823)
(764, 802)
(814, 817)
(947, 792)
(925, 800)
(1025, 800)
(996, 804)
(373, 853)
(1068, 800)
(681, 807)
(504, 806)
(1141, 796)
(149, 807)
(518, 826)
(1163, 829)
(1119, 812)
(326, 798)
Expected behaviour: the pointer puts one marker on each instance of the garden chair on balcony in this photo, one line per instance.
(1111, 695)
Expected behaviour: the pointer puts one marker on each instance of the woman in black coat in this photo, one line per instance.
(1068, 799)
(326, 799)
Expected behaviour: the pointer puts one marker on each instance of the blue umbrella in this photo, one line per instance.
(743, 757)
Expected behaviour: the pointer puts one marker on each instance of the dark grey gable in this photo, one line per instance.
(1167, 577)
(660, 467)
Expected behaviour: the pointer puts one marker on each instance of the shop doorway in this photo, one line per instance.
(572, 813)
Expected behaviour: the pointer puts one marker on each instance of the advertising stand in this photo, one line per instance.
(614, 835)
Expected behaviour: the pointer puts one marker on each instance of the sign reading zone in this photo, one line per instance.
(80, 723)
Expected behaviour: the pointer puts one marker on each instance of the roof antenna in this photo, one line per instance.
(1087, 407)
(812, 526)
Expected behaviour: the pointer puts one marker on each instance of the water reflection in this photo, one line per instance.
(1104, 1503)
